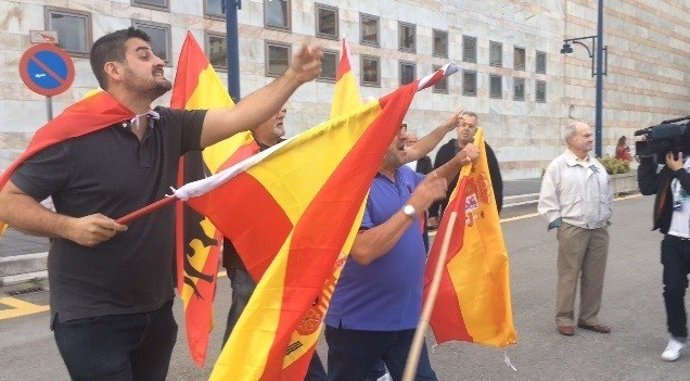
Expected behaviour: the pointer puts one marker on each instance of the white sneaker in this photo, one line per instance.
(672, 351)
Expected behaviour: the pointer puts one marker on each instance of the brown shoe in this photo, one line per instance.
(566, 330)
(600, 328)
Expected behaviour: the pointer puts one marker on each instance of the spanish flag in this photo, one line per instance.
(88, 115)
(197, 86)
(474, 296)
(298, 199)
(346, 100)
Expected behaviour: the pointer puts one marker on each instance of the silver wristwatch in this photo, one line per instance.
(409, 211)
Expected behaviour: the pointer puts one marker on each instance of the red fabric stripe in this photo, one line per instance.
(344, 65)
(240, 154)
(446, 318)
(438, 75)
(313, 253)
(192, 62)
(244, 202)
(86, 116)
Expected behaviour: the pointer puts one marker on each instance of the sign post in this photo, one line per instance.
(47, 70)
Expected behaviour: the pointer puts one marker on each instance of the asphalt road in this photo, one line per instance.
(632, 305)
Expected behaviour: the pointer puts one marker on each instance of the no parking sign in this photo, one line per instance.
(46, 69)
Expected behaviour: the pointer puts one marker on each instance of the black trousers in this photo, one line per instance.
(675, 256)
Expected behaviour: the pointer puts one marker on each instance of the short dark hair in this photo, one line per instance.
(111, 47)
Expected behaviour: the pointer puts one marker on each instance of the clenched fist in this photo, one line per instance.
(431, 189)
(306, 63)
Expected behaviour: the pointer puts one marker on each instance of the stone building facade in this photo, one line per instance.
(513, 74)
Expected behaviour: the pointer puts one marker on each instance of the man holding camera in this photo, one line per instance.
(672, 217)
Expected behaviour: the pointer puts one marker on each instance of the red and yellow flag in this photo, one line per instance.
(346, 98)
(474, 297)
(88, 115)
(197, 86)
(291, 202)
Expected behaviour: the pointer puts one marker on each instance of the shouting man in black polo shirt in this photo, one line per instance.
(111, 285)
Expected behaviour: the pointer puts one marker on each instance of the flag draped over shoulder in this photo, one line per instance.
(474, 296)
(88, 115)
(298, 199)
(197, 86)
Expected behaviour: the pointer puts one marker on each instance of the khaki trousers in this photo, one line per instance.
(581, 254)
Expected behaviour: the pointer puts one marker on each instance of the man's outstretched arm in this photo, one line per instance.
(259, 106)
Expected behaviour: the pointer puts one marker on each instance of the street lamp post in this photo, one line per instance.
(601, 60)
(230, 7)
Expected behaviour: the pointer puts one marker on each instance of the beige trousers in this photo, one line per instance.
(581, 254)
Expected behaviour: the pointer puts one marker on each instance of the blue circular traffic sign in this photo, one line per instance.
(46, 69)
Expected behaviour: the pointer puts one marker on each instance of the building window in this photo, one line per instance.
(469, 83)
(495, 53)
(214, 8)
(541, 63)
(469, 49)
(73, 29)
(541, 91)
(496, 83)
(329, 66)
(519, 58)
(442, 85)
(406, 37)
(369, 29)
(371, 68)
(440, 48)
(154, 4)
(277, 13)
(408, 72)
(326, 21)
(160, 38)
(216, 50)
(277, 58)
(519, 89)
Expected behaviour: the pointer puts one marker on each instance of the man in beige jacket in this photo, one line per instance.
(576, 199)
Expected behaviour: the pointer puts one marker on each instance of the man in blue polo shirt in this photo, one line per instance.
(378, 300)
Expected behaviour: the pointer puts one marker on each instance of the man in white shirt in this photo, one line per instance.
(576, 198)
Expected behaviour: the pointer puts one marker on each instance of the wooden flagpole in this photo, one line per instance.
(418, 340)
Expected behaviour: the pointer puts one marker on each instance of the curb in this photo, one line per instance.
(22, 268)
(521, 199)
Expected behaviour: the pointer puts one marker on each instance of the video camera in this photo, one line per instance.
(669, 136)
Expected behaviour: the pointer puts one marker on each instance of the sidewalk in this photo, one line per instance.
(23, 257)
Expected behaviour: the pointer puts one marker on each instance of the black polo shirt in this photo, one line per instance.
(113, 173)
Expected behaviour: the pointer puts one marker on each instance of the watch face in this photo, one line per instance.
(409, 210)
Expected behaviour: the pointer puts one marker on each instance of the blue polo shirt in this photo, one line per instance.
(385, 295)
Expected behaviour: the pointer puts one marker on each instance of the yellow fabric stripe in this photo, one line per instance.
(210, 93)
(244, 355)
(287, 165)
(346, 95)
